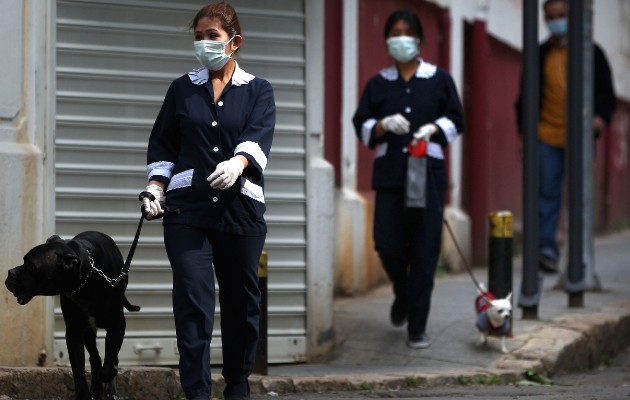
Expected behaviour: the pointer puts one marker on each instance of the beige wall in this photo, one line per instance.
(26, 175)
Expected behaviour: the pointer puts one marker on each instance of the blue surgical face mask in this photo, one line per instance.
(558, 27)
(403, 48)
(211, 53)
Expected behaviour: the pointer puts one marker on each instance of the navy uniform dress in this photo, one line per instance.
(191, 135)
(409, 248)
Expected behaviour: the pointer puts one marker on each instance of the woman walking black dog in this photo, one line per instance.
(206, 156)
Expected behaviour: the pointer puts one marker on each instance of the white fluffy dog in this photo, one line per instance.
(493, 316)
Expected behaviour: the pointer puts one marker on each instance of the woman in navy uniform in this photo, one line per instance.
(410, 101)
(206, 157)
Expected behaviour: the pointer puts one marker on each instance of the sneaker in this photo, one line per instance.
(419, 342)
(548, 265)
(398, 312)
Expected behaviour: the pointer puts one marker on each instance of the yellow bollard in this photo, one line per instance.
(500, 253)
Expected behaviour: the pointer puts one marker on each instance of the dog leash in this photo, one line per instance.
(461, 255)
(134, 244)
(456, 243)
(143, 216)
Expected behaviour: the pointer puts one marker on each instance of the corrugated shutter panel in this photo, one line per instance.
(115, 60)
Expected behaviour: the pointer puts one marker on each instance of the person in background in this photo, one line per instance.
(409, 105)
(206, 156)
(552, 122)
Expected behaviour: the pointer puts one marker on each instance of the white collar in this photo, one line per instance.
(200, 76)
(425, 70)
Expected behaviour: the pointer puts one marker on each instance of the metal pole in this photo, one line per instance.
(575, 283)
(530, 283)
(592, 280)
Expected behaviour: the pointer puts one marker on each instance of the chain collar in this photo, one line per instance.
(93, 268)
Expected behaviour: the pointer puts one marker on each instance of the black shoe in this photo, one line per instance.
(398, 312)
(548, 265)
(236, 397)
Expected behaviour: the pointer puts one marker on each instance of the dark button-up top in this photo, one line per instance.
(192, 134)
(428, 97)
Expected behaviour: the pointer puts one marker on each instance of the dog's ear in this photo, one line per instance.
(509, 297)
(53, 238)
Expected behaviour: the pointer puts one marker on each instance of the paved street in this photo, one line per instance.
(604, 383)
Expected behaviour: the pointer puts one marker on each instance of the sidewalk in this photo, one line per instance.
(370, 353)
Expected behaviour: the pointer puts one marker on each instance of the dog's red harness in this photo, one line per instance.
(481, 302)
(483, 320)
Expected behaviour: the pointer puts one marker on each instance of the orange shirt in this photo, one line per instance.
(552, 124)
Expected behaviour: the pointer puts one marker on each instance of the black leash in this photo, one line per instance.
(134, 244)
(461, 255)
(143, 216)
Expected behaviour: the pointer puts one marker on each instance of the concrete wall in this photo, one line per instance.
(26, 122)
(320, 193)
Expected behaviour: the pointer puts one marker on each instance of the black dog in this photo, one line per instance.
(88, 272)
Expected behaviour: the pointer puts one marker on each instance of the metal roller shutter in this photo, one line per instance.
(115, 60)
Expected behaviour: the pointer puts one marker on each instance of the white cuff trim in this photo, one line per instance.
(366, 130)
(253, 191)
(161, 168)
(254, 150)
(435, 150)
(181, 180)
(381, 150)
(448, 127)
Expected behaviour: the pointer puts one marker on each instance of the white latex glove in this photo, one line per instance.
(226, 173)
(395, 123)
(425, 132)
(153, 207)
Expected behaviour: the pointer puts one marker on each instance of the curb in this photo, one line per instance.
(573, 342)
(568, 343)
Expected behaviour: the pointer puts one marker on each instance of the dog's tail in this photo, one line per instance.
(129, 306)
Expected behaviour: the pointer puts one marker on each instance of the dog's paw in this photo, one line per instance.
(504, 349)
(111, 391)
(482, 341)
(96, 391)
(106, 375)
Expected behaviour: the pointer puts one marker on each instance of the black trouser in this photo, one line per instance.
(192, 252)
(409, 245)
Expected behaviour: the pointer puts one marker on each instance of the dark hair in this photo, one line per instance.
(407, 16)
(222, 12)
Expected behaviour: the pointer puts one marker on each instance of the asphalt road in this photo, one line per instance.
(611, 381)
